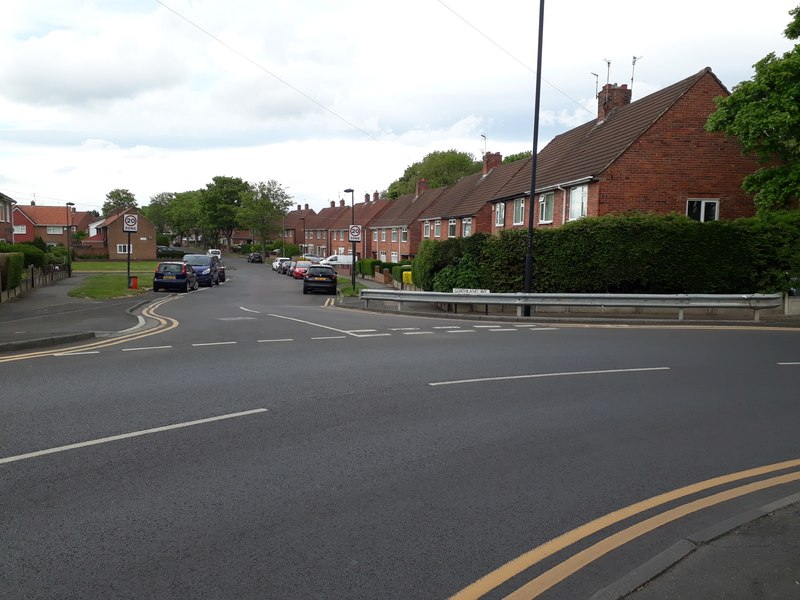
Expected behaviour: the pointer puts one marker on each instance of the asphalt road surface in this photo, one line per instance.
(264, 445)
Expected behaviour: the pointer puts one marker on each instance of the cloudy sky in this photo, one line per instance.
(162, 95)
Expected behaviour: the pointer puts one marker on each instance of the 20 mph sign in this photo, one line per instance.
(355, 233)
(130, 223)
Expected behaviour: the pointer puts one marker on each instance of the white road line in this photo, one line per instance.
(235, 318)
(788, 363)
(312, 324)
(330, 337)
(501, 330)
(460, 331)
(486, 326)
(544, 329)
(418, 333)
(362, 330)
(215, 344)
(447, 327)
(278, 340)
(249, 310)
(74, 353)
(403, 328)
(123, 436)
(539, 375)
(364, 335)
(146, 348)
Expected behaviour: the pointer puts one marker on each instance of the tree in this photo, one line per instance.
(518, 156)
(262, 208)
(220, 202)
(158, 210)
(184, 214)
(763, 114)
(439, 168)
(118, 200)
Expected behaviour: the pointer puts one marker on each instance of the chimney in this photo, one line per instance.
(306, 207)
(422, 185)
(299, 207)
(375, 196)
(33, 202)
(333, 204)
(610, 97)
(366, 198)
(341, 202)
(491, 160)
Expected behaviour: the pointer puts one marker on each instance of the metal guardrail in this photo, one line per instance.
(680, 302)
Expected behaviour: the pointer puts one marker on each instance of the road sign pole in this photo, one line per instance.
(129, 260)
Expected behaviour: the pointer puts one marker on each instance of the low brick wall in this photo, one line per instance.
(33, 278)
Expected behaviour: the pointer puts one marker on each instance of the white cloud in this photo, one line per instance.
(320, 96)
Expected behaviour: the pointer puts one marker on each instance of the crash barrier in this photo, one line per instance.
(34, 278)
(587, 302)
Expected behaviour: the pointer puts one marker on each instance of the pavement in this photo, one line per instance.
(751, 556)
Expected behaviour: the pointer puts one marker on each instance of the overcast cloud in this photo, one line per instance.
(161, 96)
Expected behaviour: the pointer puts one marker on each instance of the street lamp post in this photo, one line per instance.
(68, 228)
(303, 243)
(352, 222)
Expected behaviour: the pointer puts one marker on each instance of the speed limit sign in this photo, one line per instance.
(130, 223)
(355, 233)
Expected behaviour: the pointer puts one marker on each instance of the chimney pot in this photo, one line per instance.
(610, 97)
(333, 203)
(341, 201)
(491, 160)
(375, 196)
(299, 207)
(306, 207)
(422, 185)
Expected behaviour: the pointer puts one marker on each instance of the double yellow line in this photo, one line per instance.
(162, 324)
(549, 578)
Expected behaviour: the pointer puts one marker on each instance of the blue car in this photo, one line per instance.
(205, 267)
(174, 275)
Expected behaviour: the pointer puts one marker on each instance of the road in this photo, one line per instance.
(269, 446)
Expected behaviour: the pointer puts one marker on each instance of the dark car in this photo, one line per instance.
(206, 267)
(319, 278)
(255, 257)
(174, 275)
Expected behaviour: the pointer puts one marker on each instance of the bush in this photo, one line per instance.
(32, 256)
(11, 268)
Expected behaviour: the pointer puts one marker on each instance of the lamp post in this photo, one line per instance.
(303, 243)
(69, 231)
(352, 222)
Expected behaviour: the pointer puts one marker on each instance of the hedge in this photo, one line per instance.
(11, 268)
(33, 256)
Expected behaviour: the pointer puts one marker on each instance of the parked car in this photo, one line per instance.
(338, 259)
(214, 252)
(290, 268)
(167, 253)
(300, 268)
(206, 267)
(320, 278)
(174, 275)
(255, 257)
(277, 262)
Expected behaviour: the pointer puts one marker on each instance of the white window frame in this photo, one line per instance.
(20, 229)
(394, 234)
(703, 203)
(466, 226)
(451, 228)
(404, 234)
(374, 235)
(426, 229)
(500, 214)
(437, 228)
(394, 257)
(546, 205)
(383, 235)
(519, 211)
(383, 256)
(123, 248)
(56, 230)
(578, 202)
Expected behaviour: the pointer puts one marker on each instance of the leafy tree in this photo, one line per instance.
(764, 115)
(517, 156)
(262, 207)
(439, 168)
(158, 210)
(220, 203)
(184, 214)
(118, 200)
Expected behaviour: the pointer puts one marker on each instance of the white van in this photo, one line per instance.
(338, 259)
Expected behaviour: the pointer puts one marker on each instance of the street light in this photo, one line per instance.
(68, 229)
(303, 244)
(352, 222)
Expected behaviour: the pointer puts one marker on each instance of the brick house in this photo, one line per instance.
(364, 214)
(318, 233)
(47, 222)
(653, 155)
(6, 218)
(294, 225)
(396, 233)
(112, 241)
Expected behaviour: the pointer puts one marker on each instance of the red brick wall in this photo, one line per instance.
(677, 159)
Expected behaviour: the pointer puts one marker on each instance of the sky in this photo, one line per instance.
(159, 96)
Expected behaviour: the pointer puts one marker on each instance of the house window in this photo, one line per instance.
(466, 226)
(394, 234)
(519, 211)
(404, 234)
(500, 214)
(383, 255)
(426, 229)
(451, 228)
(20, 229)
(55, 229)
(394, 257)
(546, 202)
(578, 199)
(383, 235)
(374, 235)
(123, 248)
(702, 210)
(437, 228)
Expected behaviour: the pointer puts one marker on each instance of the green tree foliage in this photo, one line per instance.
(184, 213)
(158, 210)
(262, 207)
(117, 200)
(439, 168)
(220, 203)
(763, 114)
(518, 156)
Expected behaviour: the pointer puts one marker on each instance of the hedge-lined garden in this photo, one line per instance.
(631, 253)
